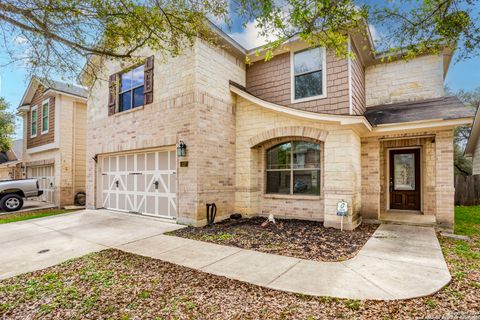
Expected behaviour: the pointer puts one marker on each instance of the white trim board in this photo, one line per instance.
(45, 147)
(342, 119)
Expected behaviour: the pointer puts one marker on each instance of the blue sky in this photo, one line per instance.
(13, 78)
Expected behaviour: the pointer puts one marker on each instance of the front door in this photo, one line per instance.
(405, 179)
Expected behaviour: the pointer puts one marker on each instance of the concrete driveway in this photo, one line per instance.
(39, 243)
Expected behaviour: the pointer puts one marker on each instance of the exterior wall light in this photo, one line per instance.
(181, 149)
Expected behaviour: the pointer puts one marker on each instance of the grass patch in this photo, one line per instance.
(467, 220)
(221, 236)
(21, 216)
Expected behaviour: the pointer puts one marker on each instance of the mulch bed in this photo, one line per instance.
(112, 284)
(295, 238)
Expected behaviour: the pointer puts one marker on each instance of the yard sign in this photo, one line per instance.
(342, 210)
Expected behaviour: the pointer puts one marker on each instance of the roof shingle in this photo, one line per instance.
(444, 108)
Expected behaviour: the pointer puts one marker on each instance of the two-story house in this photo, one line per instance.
(292, 136)
(54, 136)
(472, 149)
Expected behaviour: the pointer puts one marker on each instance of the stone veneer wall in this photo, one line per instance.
(436, 169)
(417, 79)
(444, 186)
(257, 128)
(70, 121)
(192, 102)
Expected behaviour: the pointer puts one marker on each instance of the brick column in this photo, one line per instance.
(342, 178)
(445, 190)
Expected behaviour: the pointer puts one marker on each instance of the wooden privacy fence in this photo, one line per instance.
(467, 190)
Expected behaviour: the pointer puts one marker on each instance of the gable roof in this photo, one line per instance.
(474, 134)
(444, 108)
(54, 85)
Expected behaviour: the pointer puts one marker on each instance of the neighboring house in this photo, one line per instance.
(291, 137)
(11, 162)
(54, 130)
(473, 145)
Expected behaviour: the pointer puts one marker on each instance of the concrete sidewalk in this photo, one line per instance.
(398, 262)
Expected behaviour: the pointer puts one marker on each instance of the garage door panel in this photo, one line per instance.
(173, 209)
(113, 201)
(163, 160)
(46, 181)
(146, 182)
(150, 205)
(106, 164)
(122, 164)
(121, 202)
(150, 161)
(140, 162)
(131, 206)
(130, 183)
(173, 161)
(130, 162)
(173, 183)
(113, 164)
(140, 204)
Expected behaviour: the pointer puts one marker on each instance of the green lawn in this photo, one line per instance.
(467, 220)
(20, 216)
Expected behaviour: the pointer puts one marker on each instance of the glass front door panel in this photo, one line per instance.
(404, 171)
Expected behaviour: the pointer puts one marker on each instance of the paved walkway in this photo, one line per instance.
(398, 262)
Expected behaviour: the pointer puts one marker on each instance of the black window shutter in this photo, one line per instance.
(112, 94)
(148, 86)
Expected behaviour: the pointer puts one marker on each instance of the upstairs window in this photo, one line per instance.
(294, 168)
(45, 116)
(308, 75)
(33, 121)
(131, 89)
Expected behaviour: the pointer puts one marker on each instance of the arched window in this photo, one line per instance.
(293, 167)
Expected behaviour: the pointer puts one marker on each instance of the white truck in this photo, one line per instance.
(12, 193)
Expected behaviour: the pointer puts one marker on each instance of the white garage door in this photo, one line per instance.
(142, 182)
(46, 180)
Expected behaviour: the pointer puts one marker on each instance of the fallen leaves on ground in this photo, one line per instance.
(295, 238)
(112, 284)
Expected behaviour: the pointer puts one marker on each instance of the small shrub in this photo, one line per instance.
(353, 304)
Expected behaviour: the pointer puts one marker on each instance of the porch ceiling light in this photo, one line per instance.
(181, 149)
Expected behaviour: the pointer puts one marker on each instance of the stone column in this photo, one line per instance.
(342, 177)
(445, 190)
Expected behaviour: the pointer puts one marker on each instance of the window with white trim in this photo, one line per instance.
(293, 167)
(131, 89)
(45, 116)
(33, 122)
(308, 78)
